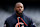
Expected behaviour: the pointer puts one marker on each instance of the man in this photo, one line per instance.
(18, 19)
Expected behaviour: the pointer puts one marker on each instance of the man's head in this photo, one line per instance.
(19, 7)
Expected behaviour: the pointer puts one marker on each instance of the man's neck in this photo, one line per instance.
(18, 14)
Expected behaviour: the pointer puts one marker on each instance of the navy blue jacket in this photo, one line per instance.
(11, 21)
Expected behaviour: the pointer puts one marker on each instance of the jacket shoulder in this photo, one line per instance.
(28, 18)
(9, 18)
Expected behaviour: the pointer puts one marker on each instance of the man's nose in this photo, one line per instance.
(19, 8)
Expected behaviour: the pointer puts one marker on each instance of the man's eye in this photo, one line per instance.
(21, 7)
(17, 7)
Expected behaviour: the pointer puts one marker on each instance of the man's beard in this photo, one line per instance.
(19, 13)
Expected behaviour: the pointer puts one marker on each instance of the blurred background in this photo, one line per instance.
(32, 10)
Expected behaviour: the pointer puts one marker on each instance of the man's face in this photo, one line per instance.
(19, 7)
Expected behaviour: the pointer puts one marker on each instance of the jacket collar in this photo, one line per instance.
(15, 16)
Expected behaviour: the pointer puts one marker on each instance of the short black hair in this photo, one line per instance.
(16, 3)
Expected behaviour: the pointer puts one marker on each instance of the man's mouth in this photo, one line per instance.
(19, 9)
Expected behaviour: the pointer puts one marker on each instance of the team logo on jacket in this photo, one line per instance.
(20, 24)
